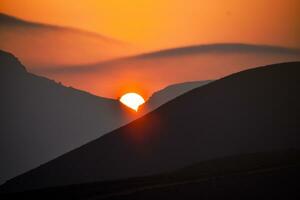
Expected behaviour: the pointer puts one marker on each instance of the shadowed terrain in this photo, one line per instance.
(42, 119)
(257, 175)
(252, 111)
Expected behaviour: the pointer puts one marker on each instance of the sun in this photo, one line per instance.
(132, 100)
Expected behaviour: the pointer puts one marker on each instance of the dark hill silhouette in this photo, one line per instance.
(252, 111)
(41, 119)
(10, 64)
(243, 176)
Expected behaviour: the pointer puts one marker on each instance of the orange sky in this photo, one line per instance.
(159, 24)
(151, 25)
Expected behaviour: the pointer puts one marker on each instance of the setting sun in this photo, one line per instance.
(132, 100)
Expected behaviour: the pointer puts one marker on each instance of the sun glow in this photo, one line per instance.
(132, 100)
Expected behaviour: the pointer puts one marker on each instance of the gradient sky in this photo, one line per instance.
(152, 25)
(156, 24)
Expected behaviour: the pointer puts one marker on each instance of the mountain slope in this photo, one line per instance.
(243, 176)
(156, 70)
(168, 93)
(41, 119)
(252, 111)
(59, 45)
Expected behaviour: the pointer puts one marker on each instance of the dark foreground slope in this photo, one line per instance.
(251, 176)
(252, 111)
(41, 119)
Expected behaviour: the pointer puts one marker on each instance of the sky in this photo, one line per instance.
(160, 24)
(146, 26)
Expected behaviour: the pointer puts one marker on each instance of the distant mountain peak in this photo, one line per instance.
(10, 63)
(172, 91)
(6, 18)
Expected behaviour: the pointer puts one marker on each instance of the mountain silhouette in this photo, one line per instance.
(252, 111)
(42, 119)
(168, 93)
(42, 45)
(159, 69)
